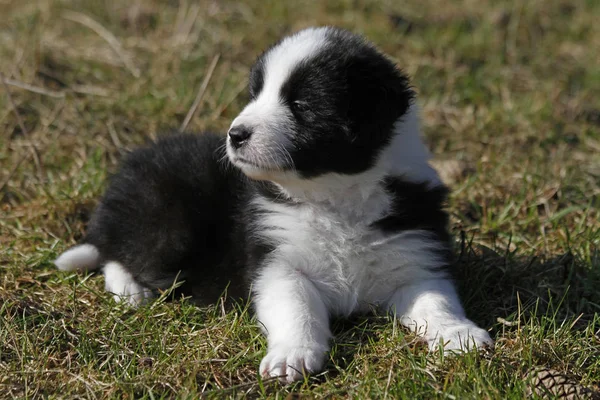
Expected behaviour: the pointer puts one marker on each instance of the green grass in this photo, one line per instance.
(510, 99)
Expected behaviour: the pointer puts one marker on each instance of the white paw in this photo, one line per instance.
(460, 338)
(291, 364)
(134, 294)
(124, 288)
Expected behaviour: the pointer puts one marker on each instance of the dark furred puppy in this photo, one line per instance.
(173, 210)
(324, 204)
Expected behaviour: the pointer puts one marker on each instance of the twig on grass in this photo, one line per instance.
(223, 106)
(31, 88)
(389, 380)
(201, 92)
(23, 129)
(105, 34)
(185, 25)
(91, 90)
(34, 151)
(12, 172)
(13, 105)
(248, 387)
(506, 322)
(114, 137)
(81, 89)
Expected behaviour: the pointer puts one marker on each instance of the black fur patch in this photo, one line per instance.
(416, 206)
(175, 210)
(257, 78)
(351, 96)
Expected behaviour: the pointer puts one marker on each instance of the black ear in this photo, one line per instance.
(380, 93)
(256, 79)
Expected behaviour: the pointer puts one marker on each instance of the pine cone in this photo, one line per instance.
(549, 383)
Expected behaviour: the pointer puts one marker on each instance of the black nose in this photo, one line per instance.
(238, 135)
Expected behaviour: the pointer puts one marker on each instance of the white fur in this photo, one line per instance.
(118, 280)
(266, 114)
(83, 257)
(329, 262)
(295, 318)
(121, 284)
(407, 155)
(432, 309)
(283, 58)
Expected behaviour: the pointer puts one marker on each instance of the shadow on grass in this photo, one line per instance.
(495, 285)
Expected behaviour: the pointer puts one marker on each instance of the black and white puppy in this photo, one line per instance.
(320, 202)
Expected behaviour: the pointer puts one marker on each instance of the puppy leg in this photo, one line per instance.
(121, 284)
(81, 257)
(432, 309)
(295, 320)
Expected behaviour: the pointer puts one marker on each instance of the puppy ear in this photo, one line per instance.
(379, 90)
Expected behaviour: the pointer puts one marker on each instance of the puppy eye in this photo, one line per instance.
(300, 106)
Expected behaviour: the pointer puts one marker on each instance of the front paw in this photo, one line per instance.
(290, 363)
(460, 338)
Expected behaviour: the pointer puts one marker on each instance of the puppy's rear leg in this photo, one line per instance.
(432, 309)
(83, 257)
(121, 284)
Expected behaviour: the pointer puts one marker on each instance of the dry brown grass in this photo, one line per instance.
(510, 97)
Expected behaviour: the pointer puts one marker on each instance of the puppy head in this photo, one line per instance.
(321, 101)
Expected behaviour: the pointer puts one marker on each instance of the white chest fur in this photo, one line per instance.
(351, 264)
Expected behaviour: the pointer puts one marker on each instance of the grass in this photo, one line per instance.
(510, 98)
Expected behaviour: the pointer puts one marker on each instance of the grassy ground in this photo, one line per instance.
(510, 96)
